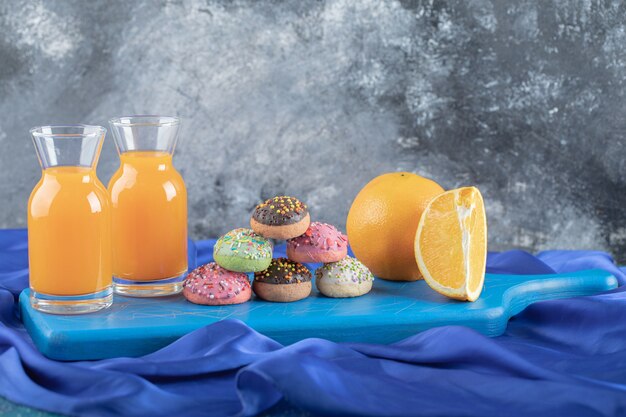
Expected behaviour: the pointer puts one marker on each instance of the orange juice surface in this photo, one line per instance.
(149, 217)
(69, 242)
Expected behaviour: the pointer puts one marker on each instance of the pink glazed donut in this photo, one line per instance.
(213, 285)
(321, 242)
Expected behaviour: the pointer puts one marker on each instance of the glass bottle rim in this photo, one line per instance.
(67, 131)
(145, 120)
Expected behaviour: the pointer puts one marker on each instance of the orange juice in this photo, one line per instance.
(69, 243)
(149, 217)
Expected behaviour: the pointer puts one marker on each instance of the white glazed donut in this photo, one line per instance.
(345, 278)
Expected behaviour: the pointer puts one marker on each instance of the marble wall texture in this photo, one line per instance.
(525, 99)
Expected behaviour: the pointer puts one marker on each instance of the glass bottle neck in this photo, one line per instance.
(68, 146)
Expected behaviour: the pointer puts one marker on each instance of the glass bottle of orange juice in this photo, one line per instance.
(69, 243)
(149, 208)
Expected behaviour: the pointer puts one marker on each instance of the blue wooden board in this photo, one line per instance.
(390, 312)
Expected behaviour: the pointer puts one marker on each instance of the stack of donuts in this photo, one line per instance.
(242, 251)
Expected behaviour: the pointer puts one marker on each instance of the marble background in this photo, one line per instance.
(523, 98)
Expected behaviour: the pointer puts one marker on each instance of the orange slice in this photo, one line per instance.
(451, 243)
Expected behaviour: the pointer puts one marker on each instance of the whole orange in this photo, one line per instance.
(383, 220)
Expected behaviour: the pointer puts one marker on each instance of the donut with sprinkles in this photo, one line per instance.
(281, 217)
(242, 250)
(283, 281)
(346, 278)
(321, 242)
(213, 285)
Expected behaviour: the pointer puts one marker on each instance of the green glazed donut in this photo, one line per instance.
(242, 250)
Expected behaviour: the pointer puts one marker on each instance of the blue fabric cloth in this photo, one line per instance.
(557, 358)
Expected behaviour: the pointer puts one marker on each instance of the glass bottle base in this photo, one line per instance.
(157, 288)
(71, 304)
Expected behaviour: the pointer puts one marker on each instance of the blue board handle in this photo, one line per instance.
(526, 289)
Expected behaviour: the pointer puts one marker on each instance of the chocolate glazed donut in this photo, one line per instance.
(283, 281)
(280, 217)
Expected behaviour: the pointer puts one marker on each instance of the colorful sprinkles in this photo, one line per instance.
(244, 243)
(320, 235)
(214, 282)
(280, 210)
(347, 271)
(283, 271)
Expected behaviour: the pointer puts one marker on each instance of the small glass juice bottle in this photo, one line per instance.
(149, 208)
(69, 224)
